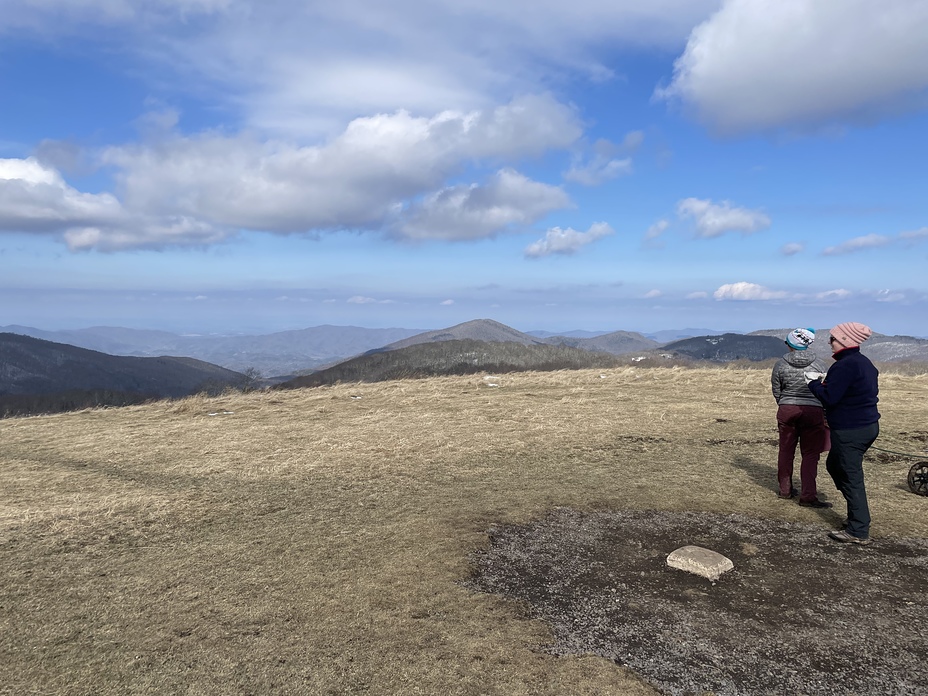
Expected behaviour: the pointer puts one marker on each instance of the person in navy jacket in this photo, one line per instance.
(849, 393)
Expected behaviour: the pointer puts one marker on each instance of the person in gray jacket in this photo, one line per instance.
(800, 418)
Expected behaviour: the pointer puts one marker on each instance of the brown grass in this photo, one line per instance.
(314, 541)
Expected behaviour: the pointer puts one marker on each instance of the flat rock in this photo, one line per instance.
(700, 561)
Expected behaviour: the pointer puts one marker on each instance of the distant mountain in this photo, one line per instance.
(281, 353)
(617, 342)
(454, 357)
(570, 334)
(879, 348)
(668, 335)
(485, 330)
(279, 356)
(727, 347)
(31, 367)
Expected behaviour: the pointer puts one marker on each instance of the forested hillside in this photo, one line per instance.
(42, 376)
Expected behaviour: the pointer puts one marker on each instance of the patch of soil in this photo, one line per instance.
(798, 614)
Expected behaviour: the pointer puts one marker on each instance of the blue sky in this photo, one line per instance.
(244, 166)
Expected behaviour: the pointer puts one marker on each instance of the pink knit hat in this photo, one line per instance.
(851, 333)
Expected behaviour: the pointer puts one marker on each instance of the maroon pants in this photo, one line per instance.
(805, 426)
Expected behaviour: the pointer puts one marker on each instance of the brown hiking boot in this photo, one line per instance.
(846, 538)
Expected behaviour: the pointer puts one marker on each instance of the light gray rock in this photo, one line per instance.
(700, 561)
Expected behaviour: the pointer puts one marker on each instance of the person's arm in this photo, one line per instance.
(776, 385)
(835, 385)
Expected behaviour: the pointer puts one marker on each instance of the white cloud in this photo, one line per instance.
(446, 303)
(656, 230)
(355, 180)
(28, 14)
(145, 232)
(652, 294)
(180, 190)
(869, 241)
(597, 171)
(296, 67)
(914, 235)
(829, 295)
(747, 291)
(361, 299)
(792, 248)
(508, 200)
(35, 198)
(889, 296)
(715, 219)
(697, 295)
(795, 63)
(601, 165)
(567, 241)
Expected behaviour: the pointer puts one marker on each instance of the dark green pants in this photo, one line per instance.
(845, 463)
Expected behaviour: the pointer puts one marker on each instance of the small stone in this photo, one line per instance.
(700, 561)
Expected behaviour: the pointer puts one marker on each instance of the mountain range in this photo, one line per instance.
(38, 375)
(286, 354)
(43, 376)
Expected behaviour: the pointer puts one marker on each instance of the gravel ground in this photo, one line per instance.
(799, 614)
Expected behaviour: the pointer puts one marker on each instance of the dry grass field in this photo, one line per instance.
(319, 541)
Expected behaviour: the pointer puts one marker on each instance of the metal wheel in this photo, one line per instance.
(918, 478)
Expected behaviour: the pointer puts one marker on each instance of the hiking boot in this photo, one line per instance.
(792, 494)
(816, 503)
(846, 538)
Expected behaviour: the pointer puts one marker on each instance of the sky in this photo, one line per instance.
(236, 166)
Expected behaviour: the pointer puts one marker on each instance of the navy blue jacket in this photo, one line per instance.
(849, 391)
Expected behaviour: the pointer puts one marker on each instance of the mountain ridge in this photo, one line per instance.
(287, 353)
(51, 374)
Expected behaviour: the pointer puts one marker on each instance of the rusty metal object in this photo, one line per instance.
(918, 478)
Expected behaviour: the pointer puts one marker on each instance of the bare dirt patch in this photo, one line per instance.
(798, 614)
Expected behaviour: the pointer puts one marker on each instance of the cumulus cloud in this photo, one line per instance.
(509, 200)
(35, 198)
(792, 248)
(383, 171)
(715, 219)
(601, 165)
(747, 291)
(145, 232)
(869, 241)
(795, 63)
(353, 181)
(697, 295)
(567, 241)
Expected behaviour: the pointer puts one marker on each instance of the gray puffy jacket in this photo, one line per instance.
(787, 382)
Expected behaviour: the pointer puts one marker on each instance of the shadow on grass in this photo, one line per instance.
(763, 475)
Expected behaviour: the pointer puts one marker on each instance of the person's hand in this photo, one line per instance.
(810, 376)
